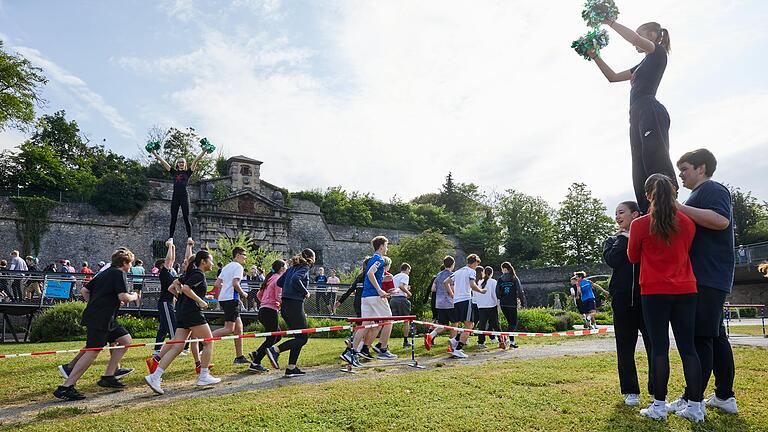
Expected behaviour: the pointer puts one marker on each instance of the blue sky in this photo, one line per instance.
(386, 97)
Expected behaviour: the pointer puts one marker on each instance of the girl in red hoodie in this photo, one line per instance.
(661, 240)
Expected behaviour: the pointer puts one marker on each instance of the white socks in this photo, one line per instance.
(203, 372)
(158, 372)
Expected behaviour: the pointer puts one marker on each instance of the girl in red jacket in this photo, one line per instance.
(661, 240)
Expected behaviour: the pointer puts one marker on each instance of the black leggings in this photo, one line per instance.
(660, 311)
(649, 143)
(292, 312)
(268, 318)
(510, 313)
(180, 200)
(627, 321)
(716, 356)
(489, 320)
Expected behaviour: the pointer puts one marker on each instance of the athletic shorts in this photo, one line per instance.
(709, 311)
(231, 309)
(187, 320)
(463, 311)
(400, 306)
(375, 307)
(444, 316)
(588, 305)
(98, 338)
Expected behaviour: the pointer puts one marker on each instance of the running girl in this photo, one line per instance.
(269, 295)
(487, 307)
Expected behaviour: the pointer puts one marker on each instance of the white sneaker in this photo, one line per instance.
(654, 412)
(154, 384)
(457, 353)
(692, 412)
(727, 405)
(184, 352)
(678, 405)
(207, 380)
(632, 400)
(454, 343)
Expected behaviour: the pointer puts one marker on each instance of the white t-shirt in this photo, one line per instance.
(461, 287)
(487, 300)
(229, 273)
(399, 279)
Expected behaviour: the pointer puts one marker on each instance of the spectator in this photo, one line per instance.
(17, 264)
(4, 288)
(70, 267)
(253, 279)
(333, 290)
(34, 284)
(219, 267)
(101, 266)
(51, 268)
(86, 269)
(742, 254)
(321, 299)
(137, 271)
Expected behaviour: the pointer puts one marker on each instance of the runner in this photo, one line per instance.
(349, 355)
(585, 290)
(231, 295)
(269, 297)
(443, 303)
(508, 291)
(463, 283)
(488, 308)
(398, 301)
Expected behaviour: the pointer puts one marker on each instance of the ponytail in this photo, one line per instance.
(662, 34)
(200, 256)
(276, 267)
(662, 195)
(487, 273)
(306, 257)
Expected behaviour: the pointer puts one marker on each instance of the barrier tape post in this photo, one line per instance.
(414, 363)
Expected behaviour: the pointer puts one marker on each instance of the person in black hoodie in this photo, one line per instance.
(508, 290)
(624, 290)
(295, 285)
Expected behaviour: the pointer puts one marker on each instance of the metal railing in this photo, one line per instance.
(751, 254)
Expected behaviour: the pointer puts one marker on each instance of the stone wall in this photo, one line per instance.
(539, 283)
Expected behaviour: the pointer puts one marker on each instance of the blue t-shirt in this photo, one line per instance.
(712, 250)
(586, 290)
(368, 289)
(321, 280)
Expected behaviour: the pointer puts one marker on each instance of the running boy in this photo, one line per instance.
(230, 296)
(443, 302)
(464, 282)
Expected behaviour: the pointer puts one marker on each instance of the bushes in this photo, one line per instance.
(59, 323)
(139, 327)
(256, 327)
(544, 320)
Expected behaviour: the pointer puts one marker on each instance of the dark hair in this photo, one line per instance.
(662, 34)
(237, 251)
(448, 262)
(507, 265)
(698, 158)
(378, 241)
(160, 263)
(306, 257)
(662, 195)
(139, 262)
(404, 267)
(200, 256)
(473, 258)
(277, 265)
(631, 205)
(121, 257)
(487, 273)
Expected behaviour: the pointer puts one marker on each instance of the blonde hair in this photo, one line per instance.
(763, 268)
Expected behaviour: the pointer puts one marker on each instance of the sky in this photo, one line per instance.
(387, 97)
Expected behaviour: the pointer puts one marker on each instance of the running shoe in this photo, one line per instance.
(206, 380)
(121, 373)
(68, 393)
(726, 405)
(356, 360)
(632, 399)
(273, 356)
(295, 372)
(377, 348)
(241, 361)
(183, 352)
(347, 356)
(154, 383)
(65, 370)
(457, 353)
(198, 367)
(255, 367)
(386, 355)
(428, 341)
(364, 353)
(452, 343)
(513, 344)
(481, 346)
(406, 344)
(152, 364)
(691, 412)
(253, 355)
(654, 412)
(678, 405)
(110, 382)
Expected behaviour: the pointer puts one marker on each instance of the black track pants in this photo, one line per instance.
(292, 312)
(627, 322)
(180, 200)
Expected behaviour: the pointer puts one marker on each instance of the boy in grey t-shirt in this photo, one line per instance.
(443, 302)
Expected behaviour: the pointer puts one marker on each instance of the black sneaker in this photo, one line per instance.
(110, 382)
(347, 356)
(407, 344)
(364, 353)
(255, 367)
(377, 348)
(293, 373)
(123, 372)
(253, 355)
(273, 356)
(65, 370)
(68, 393)
(241, 361)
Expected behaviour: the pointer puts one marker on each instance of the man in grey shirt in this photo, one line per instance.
(18, 264)
(443, 302)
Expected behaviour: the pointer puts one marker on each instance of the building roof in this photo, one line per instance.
(241, 158)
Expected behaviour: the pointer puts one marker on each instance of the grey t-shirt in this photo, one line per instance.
(442, 300)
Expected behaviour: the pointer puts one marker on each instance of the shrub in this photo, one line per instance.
(537, 320)
(747, 312)
(59, 323)
(603, 318)
(139, 327)
(256, 327)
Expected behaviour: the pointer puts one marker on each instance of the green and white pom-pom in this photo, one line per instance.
(594, 40)
(152, 146)
(207, 146)
(597, 11)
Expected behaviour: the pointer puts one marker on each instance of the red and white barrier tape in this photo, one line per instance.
(522, 334)
(219, 338)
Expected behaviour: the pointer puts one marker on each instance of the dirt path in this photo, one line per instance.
(245, 381)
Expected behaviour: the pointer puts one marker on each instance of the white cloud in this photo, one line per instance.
(11, 138)
(78, 90)
(490, 91)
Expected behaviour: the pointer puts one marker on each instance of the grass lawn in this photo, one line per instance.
(552, 394)
(753, 330)
(35, 378)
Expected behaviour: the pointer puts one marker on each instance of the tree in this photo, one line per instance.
(526, 222)
(177, 144)
(750, 217)
(222, 253)
(425, 253)
(20, 85)
(581, 227)
(483, 238)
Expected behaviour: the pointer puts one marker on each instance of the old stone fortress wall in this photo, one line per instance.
(78, 232)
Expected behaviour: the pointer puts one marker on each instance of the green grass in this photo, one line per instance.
(551, 394)
(752, 330)
(35, 378)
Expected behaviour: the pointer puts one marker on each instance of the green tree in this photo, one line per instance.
(20, 85)
(750, 217)
(177, 144)
(483, 238)
(261, 257)
(425, 253)
(527, 225)
(581, 226)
